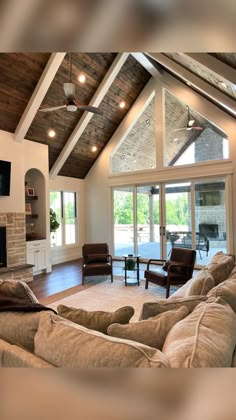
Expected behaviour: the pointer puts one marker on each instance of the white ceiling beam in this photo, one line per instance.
(213, 64)
(40, 91)
(146, 63)
(86, 117)
(202, 86)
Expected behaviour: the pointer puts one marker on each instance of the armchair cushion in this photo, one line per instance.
(96, 258)
(96, 320)
(152, 331)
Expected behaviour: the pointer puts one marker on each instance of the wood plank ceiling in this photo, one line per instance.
(19, 75)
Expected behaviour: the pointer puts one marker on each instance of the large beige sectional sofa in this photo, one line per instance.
(194, 327)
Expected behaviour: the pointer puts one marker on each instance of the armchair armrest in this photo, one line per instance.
(154, 259)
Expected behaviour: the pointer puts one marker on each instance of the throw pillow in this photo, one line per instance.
(65, 344)
(174, 268)
(96, 320)
(220, 266)
(227, 291)
(205, 338)
(151, 309)
(19, 328)
(18, 289)
(200, 284)
(152, 331)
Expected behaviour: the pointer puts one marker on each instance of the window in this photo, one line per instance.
(64, 205)
(137, 151)
(189, 136)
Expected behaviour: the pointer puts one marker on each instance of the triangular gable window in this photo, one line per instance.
(137, 151)
(190, 137)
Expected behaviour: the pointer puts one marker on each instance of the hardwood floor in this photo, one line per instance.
(62, 277)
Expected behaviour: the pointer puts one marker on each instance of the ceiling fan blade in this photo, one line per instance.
(178, 129)
(89, 109)
(51, 108)
(69, 89)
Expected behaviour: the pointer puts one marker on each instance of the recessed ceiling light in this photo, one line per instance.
(51, 133)
(122, 104)
(94, 148)
(223, 84)
(81, 78)
(122, 156)
(134, 161)
(176, 139)
(147, 121)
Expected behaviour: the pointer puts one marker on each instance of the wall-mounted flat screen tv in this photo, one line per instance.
(5, 177)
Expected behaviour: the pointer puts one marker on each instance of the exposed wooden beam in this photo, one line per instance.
(86, 117)
(147, 64)
(213, 64)
(191, 140)
(40, 91)
(205, 88)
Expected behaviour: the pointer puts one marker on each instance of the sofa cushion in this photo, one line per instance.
(200, 284)
(18, 289)
(65, 344)
(227, 291)
(96, 320)
(152, 331)
(151, 309)
(205, 338)
(19, 328)
(16, 357)
(220, 266)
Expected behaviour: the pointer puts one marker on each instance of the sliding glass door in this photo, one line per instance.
(152, 219)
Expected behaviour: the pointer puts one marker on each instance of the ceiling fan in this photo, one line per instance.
(189, 126)
(71, 104)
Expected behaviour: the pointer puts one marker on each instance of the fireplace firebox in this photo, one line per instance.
(211, 230)
(3, 247)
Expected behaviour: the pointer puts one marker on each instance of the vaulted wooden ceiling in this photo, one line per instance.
(29, 80)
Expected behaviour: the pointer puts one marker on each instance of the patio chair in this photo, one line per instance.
(96, 260)
(176, 271)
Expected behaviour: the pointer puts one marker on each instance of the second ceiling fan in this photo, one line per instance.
(71, 104)
(189, 126)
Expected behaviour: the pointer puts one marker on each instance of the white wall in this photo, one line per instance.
(23, 156)
(99, 179)
(70, 252)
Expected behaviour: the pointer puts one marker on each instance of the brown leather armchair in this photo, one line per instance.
(176, 271)
(96, 260)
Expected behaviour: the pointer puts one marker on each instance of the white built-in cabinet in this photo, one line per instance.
(36, 242)
(36, 255)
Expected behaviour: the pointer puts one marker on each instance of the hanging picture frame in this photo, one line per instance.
(30, 192)
(28, 209)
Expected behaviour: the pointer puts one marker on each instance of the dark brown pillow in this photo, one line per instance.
(96, 258)
(174, 269)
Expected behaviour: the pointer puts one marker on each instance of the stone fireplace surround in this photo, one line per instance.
(16, 269)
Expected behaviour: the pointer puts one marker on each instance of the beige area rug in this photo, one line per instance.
(107, 296)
